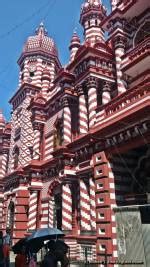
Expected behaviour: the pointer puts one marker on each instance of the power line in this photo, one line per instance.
(34, 14)
(50, 4)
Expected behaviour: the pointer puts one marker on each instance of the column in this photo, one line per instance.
(37, 141)
(33, 203)
(67, 121)
(25, 72)
(119, 52)
(44, 221)
(36, 79)
(52, 72)
(83, 116)
(45, 82)
(92, 204)
(92, 100)
(51, 211)
(106, 93)
(66, 207)
(4, 162)
(84, 207)
(1, 207)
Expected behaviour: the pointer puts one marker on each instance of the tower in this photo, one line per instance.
(39, 54)
(92, 13)
(74, 46)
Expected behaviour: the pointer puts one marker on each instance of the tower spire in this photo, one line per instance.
(92, 13)
(74, 45)
(41, 30)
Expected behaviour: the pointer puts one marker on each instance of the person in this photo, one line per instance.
(50, 258)
(7, 247)
(61, 250)
(2, 261)
(57, 252)
(32, 260)
(20, 259)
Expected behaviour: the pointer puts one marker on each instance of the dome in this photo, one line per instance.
(94, 5)
(40, 41)
(75, 40)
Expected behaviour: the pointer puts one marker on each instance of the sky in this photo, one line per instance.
(18, 20)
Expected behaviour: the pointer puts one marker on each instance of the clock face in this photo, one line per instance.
(32, 68)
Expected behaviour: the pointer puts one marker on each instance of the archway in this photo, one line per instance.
(142, 33)
(56, 194)
(10, 217)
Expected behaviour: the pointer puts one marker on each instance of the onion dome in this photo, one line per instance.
(2, 120)
(75, 41)
(92, 7)
(41, 42)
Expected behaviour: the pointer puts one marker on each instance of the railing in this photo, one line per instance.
(125, 100)
(140, 48)
(136, 52)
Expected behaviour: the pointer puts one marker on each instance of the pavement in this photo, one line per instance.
(12, 259)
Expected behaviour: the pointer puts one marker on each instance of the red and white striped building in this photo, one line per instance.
(76, 152)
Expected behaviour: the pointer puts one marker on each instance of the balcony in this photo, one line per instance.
(130, 102)
(138, 59)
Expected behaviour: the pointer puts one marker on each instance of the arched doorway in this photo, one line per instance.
(56, 207)
(10, 217)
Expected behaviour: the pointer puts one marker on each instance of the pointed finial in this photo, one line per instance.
(41, 30)
(75, 30)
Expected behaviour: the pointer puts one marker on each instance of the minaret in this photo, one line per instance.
(39, 52)
(74, 45)
(2, 120)
(92, 13)
(39, 64)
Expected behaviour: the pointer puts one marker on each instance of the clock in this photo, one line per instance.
(32, 68)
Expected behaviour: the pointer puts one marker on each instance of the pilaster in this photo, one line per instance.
(66, 207)
(83, 114)
(84, 207)
(67, 121)
(119, 44)
(92, 100)
(106, 93)
(106, 201)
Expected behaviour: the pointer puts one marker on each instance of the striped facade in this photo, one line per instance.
(76, 152)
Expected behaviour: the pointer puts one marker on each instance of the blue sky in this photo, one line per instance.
(18, 20)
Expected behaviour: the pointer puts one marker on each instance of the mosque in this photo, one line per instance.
(75, 154)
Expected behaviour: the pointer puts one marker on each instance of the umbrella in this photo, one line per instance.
(33, 247)
(17, 248)
(45, 234)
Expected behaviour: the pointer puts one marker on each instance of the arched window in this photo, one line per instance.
(16, 157)
(58, 134)
(142, 33)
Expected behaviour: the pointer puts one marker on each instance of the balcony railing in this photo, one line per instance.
(123, 101)
(140, 50)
